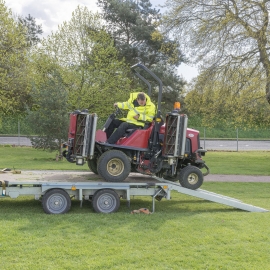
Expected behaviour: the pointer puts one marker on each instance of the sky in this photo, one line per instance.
(51, 13)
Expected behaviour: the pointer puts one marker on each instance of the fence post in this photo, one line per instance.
(204, 138)
(237, 140)
(19, 135)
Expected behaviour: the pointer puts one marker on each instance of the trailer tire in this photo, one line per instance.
(92, 164)
(56, 201)
(190, 177)
(114, 166)
(106, 201)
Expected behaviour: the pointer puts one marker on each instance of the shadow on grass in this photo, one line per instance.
(27, 216)
(29, 206)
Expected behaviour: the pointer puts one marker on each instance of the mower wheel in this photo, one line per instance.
(190, 177)
(113, 166)
(92, 164)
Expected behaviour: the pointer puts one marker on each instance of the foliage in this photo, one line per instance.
(229, 133)
(32, 29)
(220, 103)
(13, 125)
(134, 25)
(91, 71)
(225, 37)
(173, 86)
(14, 75)
(49, 119)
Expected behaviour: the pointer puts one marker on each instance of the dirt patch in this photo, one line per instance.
(82, 176)
(67, 176)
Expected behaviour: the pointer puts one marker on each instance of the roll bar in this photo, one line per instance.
(140, 65)
(144, 80)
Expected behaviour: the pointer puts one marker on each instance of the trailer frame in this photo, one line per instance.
(56, 196)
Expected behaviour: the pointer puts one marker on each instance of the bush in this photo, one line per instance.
(13, 125)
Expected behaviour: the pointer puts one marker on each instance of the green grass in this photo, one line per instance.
(183, 233)
(27, 158)
(241, 163)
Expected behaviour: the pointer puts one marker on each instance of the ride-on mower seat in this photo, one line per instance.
(131, 130)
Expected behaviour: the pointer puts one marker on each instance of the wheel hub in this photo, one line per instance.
(106, 203)
(115, 166)
(193, 178)
(56, 203)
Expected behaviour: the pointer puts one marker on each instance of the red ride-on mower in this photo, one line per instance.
(165, 148)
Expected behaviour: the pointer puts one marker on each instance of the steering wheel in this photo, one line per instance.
(118, 111)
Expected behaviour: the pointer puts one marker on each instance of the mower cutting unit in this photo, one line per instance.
(164, 148)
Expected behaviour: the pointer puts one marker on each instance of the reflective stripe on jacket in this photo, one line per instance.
(146, 112)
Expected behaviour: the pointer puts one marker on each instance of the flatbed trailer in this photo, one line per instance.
(105, 196)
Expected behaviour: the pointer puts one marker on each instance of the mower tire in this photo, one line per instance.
(113, 166)
(92, 164)
(190, 177)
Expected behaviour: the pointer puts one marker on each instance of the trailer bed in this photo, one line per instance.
(56, 195)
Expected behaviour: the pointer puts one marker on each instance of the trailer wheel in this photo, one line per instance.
(113, 166)
(191, 177)
(92, 164)
(106, 201)
(56, 201)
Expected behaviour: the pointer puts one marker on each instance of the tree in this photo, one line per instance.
(220, 104)
(135, 27)
(48, 117)
(173, 86)
(14, 79)
(91, 70)
(32, 30)
(224, 37)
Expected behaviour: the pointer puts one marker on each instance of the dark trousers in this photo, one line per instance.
(113, 137)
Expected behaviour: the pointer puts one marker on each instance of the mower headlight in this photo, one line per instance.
(79, 161)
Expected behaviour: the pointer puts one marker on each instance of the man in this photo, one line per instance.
(141, 109)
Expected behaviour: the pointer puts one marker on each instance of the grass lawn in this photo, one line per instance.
(241, 163)
(27, 158)
(183, 233)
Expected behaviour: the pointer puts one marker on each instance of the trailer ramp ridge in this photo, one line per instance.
(213, 197)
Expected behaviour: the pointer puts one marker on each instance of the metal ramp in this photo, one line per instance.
(213, 197)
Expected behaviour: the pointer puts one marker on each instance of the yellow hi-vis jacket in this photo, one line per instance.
(146, 112)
